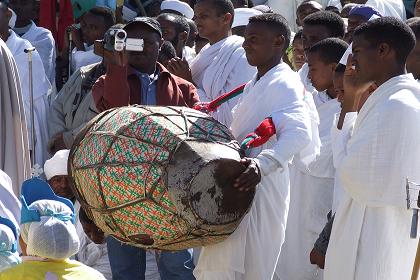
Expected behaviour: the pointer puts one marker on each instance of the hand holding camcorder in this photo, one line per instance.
(115, 39)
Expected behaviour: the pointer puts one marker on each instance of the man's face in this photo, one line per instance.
(61, 186)
(413, 61)
(307, 9)
(259, 44)
(207, 19)
(338, 86)
(320, 73)
(298, 53)
(4, 17)
(312, 34)
(25, 10)
(365, 59)
(169, 31)
(92, 27)
(354, 22)
(152, 43)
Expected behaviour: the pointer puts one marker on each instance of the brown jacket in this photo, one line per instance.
(120, 86)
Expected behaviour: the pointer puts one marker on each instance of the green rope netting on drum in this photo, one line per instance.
(118, 162)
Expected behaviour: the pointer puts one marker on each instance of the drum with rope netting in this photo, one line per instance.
(159, 177)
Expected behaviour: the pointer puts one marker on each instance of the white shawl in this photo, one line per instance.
(220, 68)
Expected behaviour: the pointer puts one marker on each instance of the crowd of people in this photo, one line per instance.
(323, 96)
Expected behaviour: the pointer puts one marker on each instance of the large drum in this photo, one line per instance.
(159, 177)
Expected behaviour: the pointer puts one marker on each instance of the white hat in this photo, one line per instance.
(54, 236)
(242, 16)
(178, 6)
(12, 20)
(57, 165)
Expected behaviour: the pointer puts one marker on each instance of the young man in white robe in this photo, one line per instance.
(41, 38)
(312, 186)
(252, 251)
(41, 84)
(221, 65)
(376, 151)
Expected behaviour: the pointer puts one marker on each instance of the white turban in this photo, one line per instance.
(7, 242)
(242, 16)
(179, 6)
(57, 165)
(52, 237)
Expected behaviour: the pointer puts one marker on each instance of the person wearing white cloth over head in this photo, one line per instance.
(221, 65)
(241, 19)
(276, 91)
(41, 84)
(375, 151)
(49, 237)
(177, 7)
(91, 254)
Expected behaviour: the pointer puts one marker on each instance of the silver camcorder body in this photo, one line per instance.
(116, 40)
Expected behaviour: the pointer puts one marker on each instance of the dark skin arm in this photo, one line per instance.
(250, 178)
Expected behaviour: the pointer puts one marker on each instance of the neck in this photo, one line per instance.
(331, 92)
(219, 37)
(149, 69)
(264, 68)
(4, 34)
(390, 73)
(23, 23)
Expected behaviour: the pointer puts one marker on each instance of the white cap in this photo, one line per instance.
(179, 6)
(51, 237)
(57, 165)
(12, 20)
(242, 16)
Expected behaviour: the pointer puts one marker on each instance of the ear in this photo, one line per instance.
(279, 42)
(227, 19)
(183, 36)
(384, 50)
(8, 15)
(333, 66)
(161, 43)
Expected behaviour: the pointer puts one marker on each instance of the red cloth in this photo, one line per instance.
(48, 18)
(261, 135)
(120, 86)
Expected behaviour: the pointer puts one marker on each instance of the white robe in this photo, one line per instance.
(311, 196)
(9, 204)
(41, 89)
(252, 251)
(218, 69)
(43, 40)
(84, 58)
(376, 151)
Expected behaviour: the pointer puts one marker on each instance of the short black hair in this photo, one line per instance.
(391, 31)
(222, 7)
(340, 68)
(193, 26)
(276, 22)
(330, 50)
(181, 23)
(168, 50)
(333, 22)
(414, 24)
(106, 13)
(298, 35)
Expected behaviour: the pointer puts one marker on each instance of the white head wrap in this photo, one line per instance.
(57, 165)
(12, 20)
(51, 237)
(242, 16)
(7, 257)
(178, 6)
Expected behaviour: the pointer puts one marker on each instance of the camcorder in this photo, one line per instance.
(116, 40)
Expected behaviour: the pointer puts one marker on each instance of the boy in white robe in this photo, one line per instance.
(41, 84)
(311, 187)
(252, 251)
(316, 27)
(41, 38)
(221, 65)
(376, 152)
